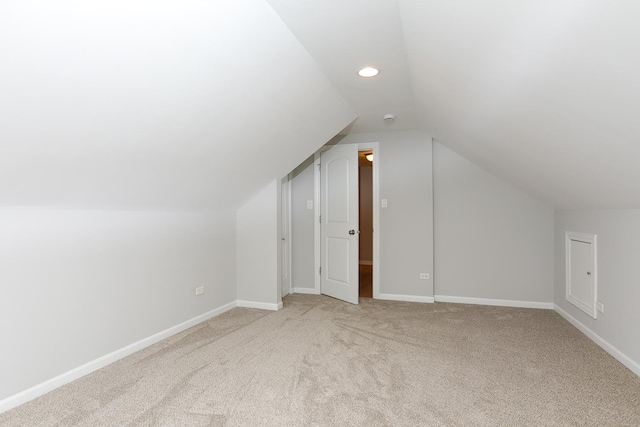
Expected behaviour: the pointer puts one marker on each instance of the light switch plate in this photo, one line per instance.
(383, 203)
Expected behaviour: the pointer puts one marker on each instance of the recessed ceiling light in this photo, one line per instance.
(368, 72)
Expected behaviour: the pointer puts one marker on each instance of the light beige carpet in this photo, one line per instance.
(323, 362)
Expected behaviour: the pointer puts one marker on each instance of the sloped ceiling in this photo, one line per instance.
(543, 94)
(344, 36)
(113, 104)
(197, 104)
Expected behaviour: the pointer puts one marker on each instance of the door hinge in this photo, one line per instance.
(320, 271)
(320, 219)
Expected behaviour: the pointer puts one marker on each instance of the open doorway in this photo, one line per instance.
(337, 229)
(365, 203)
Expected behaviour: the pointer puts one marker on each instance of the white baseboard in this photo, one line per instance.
(62, 379)
(496, 302)
(311, 291)
(620, 356)
(260, 305)
(407, 298)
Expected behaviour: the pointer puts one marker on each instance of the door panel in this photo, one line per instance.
(581, 278)
(337, 269)
(337, 174)
(339, 223)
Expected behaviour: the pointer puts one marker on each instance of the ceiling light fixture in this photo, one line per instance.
(368, 72)
(369, 157)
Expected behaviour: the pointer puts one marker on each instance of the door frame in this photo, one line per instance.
(589, 307)
(286, 213)
(362, 146)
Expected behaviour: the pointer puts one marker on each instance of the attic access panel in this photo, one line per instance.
(581, 271)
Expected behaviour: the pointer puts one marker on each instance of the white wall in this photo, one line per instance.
(618, 253)
(77, 285)
(258, 249)
(406, 225)
(492, 241)
(302, 227)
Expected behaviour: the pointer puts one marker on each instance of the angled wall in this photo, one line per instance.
(519, 89)
(113, 105)
(493, 243)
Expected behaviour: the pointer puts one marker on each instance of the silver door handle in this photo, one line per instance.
(588, 273)
(352, 232)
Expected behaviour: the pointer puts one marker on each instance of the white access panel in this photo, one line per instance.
(581, 271)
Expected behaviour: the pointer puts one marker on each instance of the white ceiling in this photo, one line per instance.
(198, 104)
(344, 36)
(544, 94)
(114, 104)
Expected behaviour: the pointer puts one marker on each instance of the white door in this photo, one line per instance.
(339, 223)
(286, 236)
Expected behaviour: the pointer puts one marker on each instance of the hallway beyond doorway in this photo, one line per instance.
(366, 281)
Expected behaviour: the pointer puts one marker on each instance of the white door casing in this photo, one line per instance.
(285, 245)
(339, 223)
(581, 272)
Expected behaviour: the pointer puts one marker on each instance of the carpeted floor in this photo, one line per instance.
(322, 362)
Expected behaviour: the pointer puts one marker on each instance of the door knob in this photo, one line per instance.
(588, 273)
(352, 232)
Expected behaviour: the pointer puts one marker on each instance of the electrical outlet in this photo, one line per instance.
(424, 276)
(600, 307)
(309, 204)
(200, 290)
